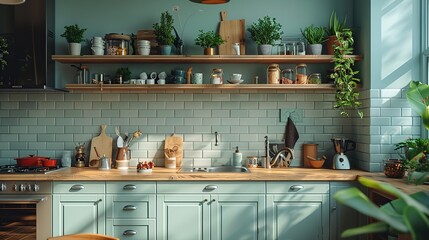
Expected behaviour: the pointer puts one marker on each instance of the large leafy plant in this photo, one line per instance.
(407, 214)
(265, 31)
(335, 25)
(164, 29)
(418, 98)
(208, 39)
(344, 76)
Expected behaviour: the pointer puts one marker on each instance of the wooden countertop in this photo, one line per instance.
(256, 174)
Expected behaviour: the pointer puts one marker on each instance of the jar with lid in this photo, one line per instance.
(290, 48)
(80, 155)
(300, 48)
(82, 74)
(287, 76)
(315, 78)
(117, 44)
(273, 74)
(301, 74)
(217, 76)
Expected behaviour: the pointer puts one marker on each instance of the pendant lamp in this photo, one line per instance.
(11, 2)
(210, 1)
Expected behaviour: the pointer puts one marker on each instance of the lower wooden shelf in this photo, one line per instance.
(154, 87)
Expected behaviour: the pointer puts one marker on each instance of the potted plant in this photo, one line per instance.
(344, 76)
(164, 33)
(315, 36)
(209, 41)
(335, 25)
(74, 36)
(407, 214)
(123, 73)
(3, 52)
(265, 32)
(414, 157)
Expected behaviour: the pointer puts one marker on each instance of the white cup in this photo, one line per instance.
(197, 78)
(140, 81)
(97, 41)
(161, 81)
(97, 50)
(133, 81)
(236, 76)
(144, 51)
(150, 81)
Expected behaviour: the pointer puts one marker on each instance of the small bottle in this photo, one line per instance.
(237, 157)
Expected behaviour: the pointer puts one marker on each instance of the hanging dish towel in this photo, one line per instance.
(291, 134)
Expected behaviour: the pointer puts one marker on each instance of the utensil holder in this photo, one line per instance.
(170, 162)
(309, 149)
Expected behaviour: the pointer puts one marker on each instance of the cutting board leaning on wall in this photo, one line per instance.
(103, 143)
(232, 31)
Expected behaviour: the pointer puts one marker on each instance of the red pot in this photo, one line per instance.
(31, 161)
(49, 163)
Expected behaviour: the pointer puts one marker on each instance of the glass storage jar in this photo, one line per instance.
(117, 44)
(287, 76)
(217, 76)
(301, 74)
(273, 74)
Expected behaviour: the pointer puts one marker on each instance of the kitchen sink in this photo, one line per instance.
(221, 169)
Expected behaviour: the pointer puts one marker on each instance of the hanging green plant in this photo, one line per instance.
(344, 76)
(3, 52)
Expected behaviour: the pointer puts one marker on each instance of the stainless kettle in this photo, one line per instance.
(104, 163)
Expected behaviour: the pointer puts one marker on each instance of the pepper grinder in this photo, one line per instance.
(80, 155)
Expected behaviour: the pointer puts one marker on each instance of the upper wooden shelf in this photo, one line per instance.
(198, 59)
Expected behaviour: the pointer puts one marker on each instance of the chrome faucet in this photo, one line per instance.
(287, 156)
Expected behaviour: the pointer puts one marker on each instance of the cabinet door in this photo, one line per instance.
(183, 217)
(297, 216)
(238, 217)
(343, 217)
(78, 214)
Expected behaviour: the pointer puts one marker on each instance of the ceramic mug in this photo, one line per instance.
(97, 41)
(197, 78)
(150, 81)
(161, 81)
(97, 51)
(236, 76)
(140, 81)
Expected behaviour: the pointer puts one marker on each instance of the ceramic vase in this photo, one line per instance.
(314, 49)
(74, 48)
(165, 49)
(265, 49)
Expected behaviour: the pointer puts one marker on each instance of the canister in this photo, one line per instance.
(273, 74)
(117, 44)
(217, 76)
(301, 74)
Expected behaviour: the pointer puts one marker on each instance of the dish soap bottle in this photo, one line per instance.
(237, 157)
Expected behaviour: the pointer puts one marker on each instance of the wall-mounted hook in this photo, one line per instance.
(216, 138)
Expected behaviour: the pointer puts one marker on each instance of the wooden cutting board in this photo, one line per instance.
(175, 141)
(232, 31)
(103, 143)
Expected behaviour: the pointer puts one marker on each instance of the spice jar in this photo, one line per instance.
(301, 74)
(80, 156)
(273, 74)
(300, 48)
(290, 48)
(315, 78)
(287, 76)
(216, 76)
(117, 44)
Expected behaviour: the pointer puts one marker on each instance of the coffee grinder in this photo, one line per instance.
(342, 145)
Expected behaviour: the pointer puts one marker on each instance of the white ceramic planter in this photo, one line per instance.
(74, 48)
(314, 49)
(265, 49)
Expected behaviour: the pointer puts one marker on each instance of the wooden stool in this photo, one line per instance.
(83, 236)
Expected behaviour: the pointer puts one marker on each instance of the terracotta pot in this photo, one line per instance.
(332, 40)
(30, 161)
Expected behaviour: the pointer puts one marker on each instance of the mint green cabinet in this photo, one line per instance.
(78, 208)
(343, 217)
(297, 210)
(131, 210)
(211, 210)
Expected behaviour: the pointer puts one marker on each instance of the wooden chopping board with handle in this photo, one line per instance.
(173, 142)
(232, 31)
(103, 143)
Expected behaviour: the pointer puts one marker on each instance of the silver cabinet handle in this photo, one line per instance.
(77, 187)
(129, 187)
(210, 187)
(129, 208)
(129, 233)
(296, 188)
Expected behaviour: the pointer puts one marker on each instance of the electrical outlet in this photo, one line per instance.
(294, 114)
(176, 8)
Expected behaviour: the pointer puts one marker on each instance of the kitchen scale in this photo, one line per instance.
(342, 145)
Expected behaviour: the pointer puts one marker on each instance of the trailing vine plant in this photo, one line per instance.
(344, 76)
(3, 52)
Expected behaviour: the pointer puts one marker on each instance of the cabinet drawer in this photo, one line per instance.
(211, 187)
(132, 229)
(79, 187)
(131, 206)
(297, 187)
(131, 187)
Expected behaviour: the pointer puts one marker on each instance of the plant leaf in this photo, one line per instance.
(376, 227)
(417, 222)
(415, 96)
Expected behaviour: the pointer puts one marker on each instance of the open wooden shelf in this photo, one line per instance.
(198, 59)
(154, 87)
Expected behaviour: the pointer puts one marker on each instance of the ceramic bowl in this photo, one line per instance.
(316, 163)
(235, 81)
